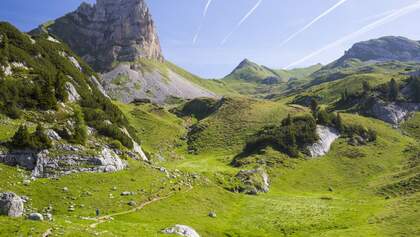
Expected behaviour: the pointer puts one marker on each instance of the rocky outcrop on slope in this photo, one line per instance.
(70, 159)
(109, 31)
(181, 230)
(253, 181)
(394, 113)
(327, 136)
(11, 205)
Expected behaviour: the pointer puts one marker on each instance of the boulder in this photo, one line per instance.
(253, 181)
(36, 217)
(181, 230)
(11, 205)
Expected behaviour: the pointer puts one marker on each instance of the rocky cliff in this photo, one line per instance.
(109, 31)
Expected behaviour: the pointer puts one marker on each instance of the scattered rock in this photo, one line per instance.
(132, 203)
(73, 95)
(65, 189)
(212, 214)
(181, 230)
(126, 193)
(53, 135)
(35, 217)
(49, 217)
(11, 205)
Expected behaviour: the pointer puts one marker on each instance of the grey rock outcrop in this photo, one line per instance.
(327, 136)
(36, 217)
(44, 164)
(11, 205)
(73, 95)
(393, 113)
(253, 181)
(109, 31)
(181, 230)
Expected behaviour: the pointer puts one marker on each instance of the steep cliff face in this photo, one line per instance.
(109, 31)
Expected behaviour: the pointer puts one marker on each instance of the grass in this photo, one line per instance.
(159, 130)
(336, 195)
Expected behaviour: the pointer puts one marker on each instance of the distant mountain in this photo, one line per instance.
(250, 78)
(118, 39)
(389, 48)
(251, 72)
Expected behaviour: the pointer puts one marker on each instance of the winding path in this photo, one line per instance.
(109, 217)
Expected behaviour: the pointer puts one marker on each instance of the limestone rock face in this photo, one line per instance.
(110, 31)
(45, 165)
(327, 136)
(393, 113)
(11, 205)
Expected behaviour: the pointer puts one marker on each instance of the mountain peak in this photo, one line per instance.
(246, 63)
(110, 31)
(388, 48)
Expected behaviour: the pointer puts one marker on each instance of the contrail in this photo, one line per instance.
(388, 18)
(374, 17)
(206, 9)
(242, 21)
(313, 22)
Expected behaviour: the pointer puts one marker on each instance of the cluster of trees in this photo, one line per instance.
(44, 85)
(43, 93)
(293, 135)
(23, 139)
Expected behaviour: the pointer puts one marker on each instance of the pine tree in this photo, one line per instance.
(60, 87)
(416, 88)
(314, 108)
(40, 140)
(366, 88)
(339, 123)
(22, 138)
(80, 129)
(287, 121)
(393, 90)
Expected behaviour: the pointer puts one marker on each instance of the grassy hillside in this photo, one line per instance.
(337, 195)
(329, 83)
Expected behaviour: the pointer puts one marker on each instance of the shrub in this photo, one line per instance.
(23, 139)
(80, 130)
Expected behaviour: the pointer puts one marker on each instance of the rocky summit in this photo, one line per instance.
(389, 48)
(109, 31)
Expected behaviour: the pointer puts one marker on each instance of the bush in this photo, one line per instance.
(24, 140)
(80, 129)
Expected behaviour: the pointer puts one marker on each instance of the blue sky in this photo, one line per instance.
(260, 36)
